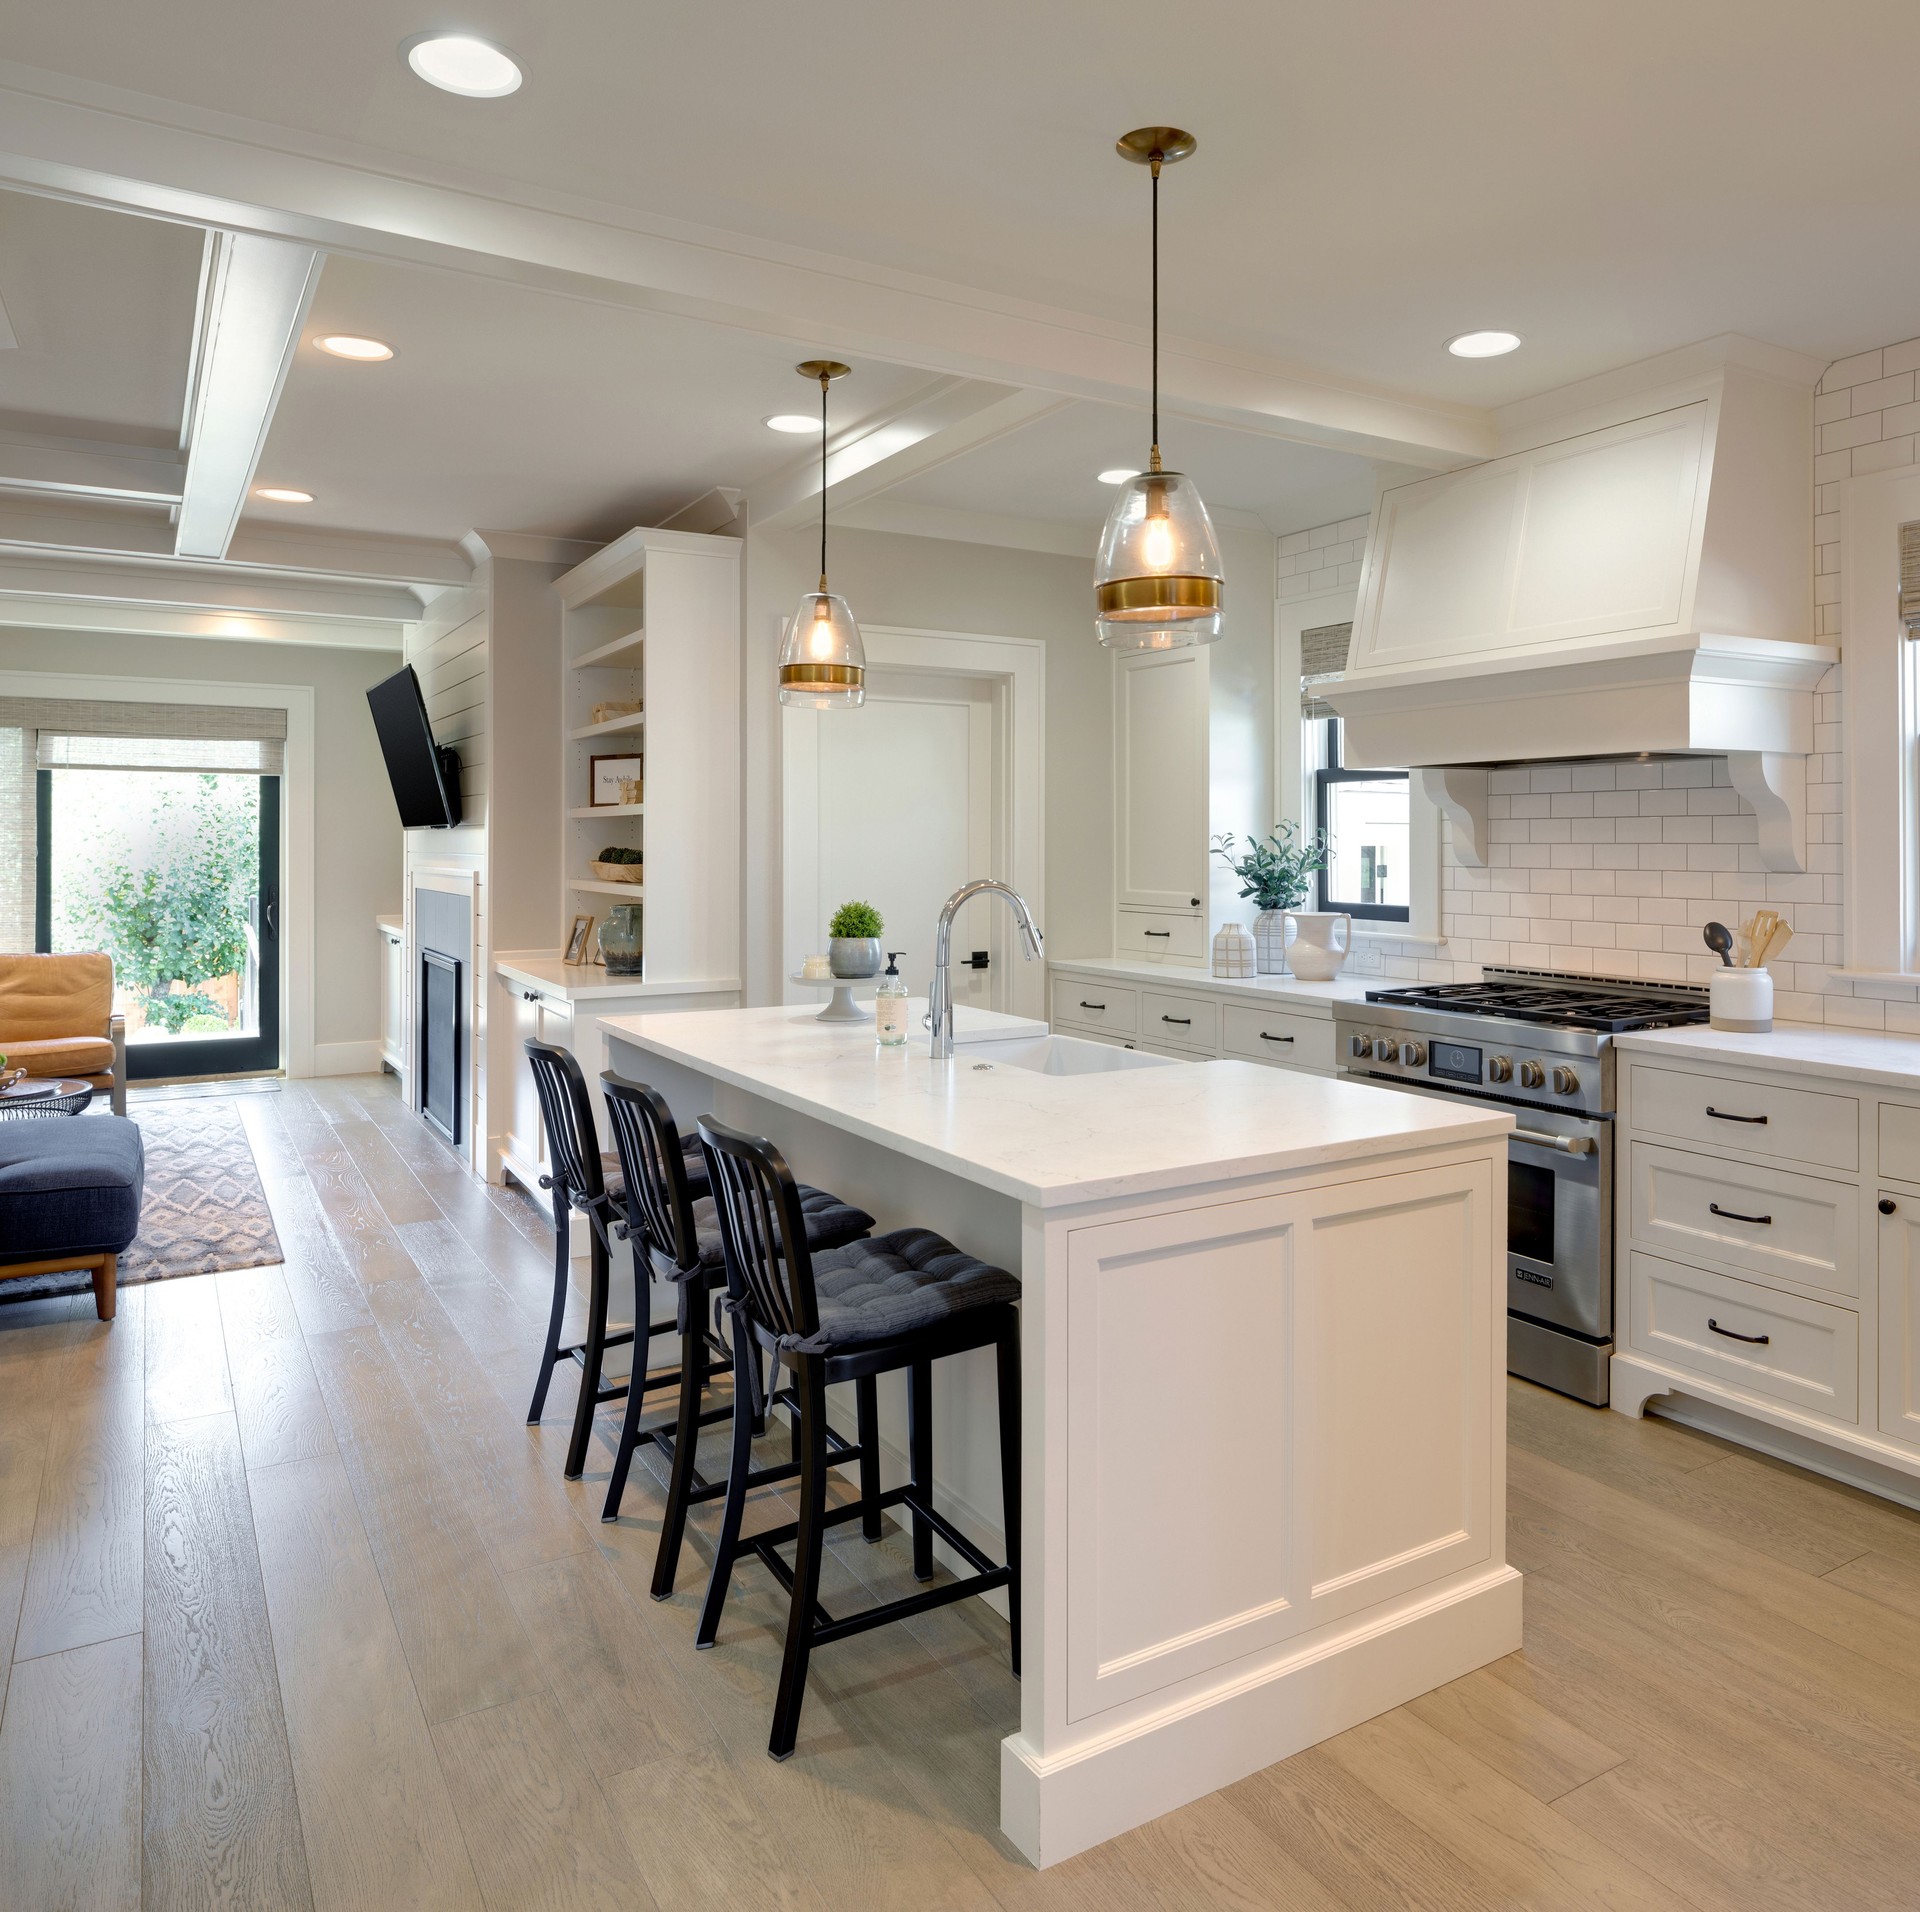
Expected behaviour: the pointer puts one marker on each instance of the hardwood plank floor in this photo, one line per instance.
(294, 1607)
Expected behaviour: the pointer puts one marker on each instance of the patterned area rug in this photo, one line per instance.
(204, 1208)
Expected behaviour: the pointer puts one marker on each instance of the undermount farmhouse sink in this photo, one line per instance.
(1056, 1055)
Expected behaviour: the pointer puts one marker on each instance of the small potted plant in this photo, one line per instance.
(1274, 873)
(853, 941)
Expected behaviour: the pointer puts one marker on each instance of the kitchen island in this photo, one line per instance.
(1263, 1360)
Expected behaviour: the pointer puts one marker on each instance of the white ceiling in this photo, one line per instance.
(1049, 472)
(103, 308)
(1611, 181)
(506, 409)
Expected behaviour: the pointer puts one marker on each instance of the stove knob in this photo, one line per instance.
(1385, 1049)
(1414, 1054)
(1361, 1046)
(1565, 1082)
(1532, 1075)
(1500, 1069)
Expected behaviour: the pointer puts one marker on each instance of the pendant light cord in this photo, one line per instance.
(1156, 311)
(823, 480)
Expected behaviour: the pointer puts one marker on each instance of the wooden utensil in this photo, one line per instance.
(1781, 933)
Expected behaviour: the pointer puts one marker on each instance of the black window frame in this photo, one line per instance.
(1330, 773)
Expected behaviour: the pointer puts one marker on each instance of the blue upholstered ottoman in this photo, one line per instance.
(70, 1198)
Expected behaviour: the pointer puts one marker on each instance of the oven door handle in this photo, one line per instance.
(1566, 1144)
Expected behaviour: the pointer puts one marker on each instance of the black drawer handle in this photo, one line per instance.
(1720, 1115)
(1757, 1340)
(1084, 1004)
(1156, 932)
(1728, 1214)
(1264, 1037)
(1185, 1022)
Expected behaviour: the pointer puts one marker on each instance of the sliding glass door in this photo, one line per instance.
(156, 852)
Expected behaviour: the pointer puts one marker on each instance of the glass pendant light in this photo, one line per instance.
(1157, 582)
(823, 664)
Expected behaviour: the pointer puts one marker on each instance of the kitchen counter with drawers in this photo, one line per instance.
(1767, 1280)
(1186, 1012)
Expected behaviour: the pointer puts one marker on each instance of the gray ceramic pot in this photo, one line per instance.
(852, 957)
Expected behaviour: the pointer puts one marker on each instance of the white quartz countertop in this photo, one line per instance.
(1314, 999)
(1052, 1140)
(1798, 1048)
(589, 982)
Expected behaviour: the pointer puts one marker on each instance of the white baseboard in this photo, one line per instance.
(347, 1058)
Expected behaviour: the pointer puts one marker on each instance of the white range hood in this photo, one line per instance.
(1636, 579)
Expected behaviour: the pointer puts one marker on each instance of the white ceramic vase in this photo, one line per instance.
(1232, 952)
(1270, 943)
(1322, 940)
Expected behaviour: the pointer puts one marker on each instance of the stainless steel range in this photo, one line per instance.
(1540, 1045)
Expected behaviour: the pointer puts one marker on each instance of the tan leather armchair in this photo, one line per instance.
(56, 1019)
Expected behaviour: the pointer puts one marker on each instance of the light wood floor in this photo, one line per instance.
(294, 1611)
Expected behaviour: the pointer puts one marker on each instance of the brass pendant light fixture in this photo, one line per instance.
(1158, 583)
(823, 664)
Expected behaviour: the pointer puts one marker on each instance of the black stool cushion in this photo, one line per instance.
(892, 1284)
(831, 1224)
(69, 1185)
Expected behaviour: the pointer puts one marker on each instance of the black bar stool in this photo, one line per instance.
(901, 1300)
(673, 1226)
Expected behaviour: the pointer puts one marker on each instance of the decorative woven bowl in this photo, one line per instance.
(619, 872)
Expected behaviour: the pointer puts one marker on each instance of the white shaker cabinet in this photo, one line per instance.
(1160, 773)
(393, 994)
(1899, 1217)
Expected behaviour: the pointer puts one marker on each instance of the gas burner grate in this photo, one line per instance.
(1608, 1009)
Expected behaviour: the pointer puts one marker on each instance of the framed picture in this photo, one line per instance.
(606, 774)
(579, 939)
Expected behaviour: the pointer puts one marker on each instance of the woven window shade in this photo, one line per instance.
(102, 733)
(1323, 654)
(1910, 578)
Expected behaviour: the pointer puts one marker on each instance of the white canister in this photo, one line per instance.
(1321, 941)
(1742, 1000)
(1232, 951)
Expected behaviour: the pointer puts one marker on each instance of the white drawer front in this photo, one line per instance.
(1783, 1227)
(1172, 938)
(1088, 1005)
(1155, 1047)
(1190, 1022)
(1798, 1125)
(1759, 1340)
(1900, 1142)
(1267, 1035)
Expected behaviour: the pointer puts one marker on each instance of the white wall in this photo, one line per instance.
(356, 831)
(942, 585)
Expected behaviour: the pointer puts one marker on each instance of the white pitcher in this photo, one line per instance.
(1314, 954)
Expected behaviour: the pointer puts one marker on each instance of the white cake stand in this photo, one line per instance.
(841, 1007)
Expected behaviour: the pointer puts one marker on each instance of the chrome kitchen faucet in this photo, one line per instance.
(940, 994)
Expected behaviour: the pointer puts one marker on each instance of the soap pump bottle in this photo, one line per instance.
(890, 1005)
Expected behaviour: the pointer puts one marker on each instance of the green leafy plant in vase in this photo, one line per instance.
(853, 941)
(1275, 874)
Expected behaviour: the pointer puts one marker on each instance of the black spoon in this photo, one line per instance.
(1719, 939)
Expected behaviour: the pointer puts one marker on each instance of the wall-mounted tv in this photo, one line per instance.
(425, 775)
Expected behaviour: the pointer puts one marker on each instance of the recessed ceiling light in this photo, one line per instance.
(792, 422)
(282, 495)
(1118, 475)
(459, 63)
(1483, 344)
(345, 345)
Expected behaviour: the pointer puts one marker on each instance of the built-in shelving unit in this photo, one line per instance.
(654, 618)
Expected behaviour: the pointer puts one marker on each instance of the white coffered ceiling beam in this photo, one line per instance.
(85, 468)
(256, 292)
(111, 147)
(956, 415)
(214, 589)
(118, 617)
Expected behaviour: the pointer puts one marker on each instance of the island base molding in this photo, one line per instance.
(1054, 1807)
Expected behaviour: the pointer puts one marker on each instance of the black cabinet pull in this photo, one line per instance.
(1185, 1022)
(1084, 1004)
(1759, 1221)
(1757, 1340)
(1264, 1037)
(1156, 932)
(1887, 1205)
(1720, 1115)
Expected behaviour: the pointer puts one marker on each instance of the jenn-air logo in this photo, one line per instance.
(1528, 1274)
